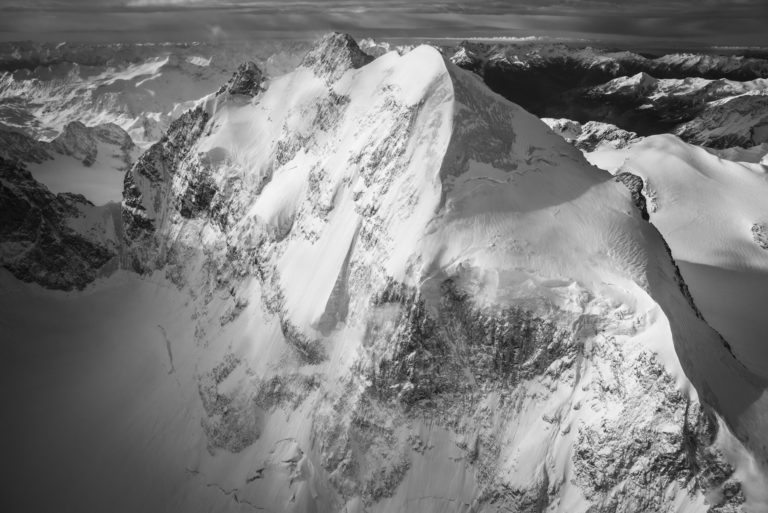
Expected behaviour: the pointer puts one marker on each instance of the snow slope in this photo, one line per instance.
(101, 183)
(706, 208)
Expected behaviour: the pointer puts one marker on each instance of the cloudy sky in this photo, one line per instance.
(712, 22)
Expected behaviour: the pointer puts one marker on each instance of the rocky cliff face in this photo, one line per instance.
(246, 80)
(146, 188)
(20, 147)
(461, 312)
(82, 142)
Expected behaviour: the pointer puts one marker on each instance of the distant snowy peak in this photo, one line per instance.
(547, 55)
(718, 113)
(568, 129)
(591, 135)
(641, 84)
(334, 54)
(735, 67)
(467, 59)
(82, 142)
(740, 120)
(694, 89)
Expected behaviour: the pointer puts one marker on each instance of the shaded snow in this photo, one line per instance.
(101, 183)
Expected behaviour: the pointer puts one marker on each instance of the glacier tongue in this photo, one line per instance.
(410, 295)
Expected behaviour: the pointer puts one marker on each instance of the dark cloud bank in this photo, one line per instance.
(692, 22)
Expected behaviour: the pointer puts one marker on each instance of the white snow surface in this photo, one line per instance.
(705, 207)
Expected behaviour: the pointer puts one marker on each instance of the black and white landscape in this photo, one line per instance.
(394, 272)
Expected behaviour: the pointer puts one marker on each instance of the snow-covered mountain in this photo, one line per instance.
(735, 121)
(590, 135)
(375, 285)
(484, 315)
(716, 113)
(693, 90)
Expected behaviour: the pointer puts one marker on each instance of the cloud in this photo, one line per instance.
(707, 21)
(163, 3)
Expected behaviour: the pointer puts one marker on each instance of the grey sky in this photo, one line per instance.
(716, 22)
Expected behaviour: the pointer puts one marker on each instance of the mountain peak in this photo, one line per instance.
(456, 246)
(82, 142)
(246, 80)
(334, 54)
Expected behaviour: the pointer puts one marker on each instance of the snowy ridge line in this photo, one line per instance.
(636, 184)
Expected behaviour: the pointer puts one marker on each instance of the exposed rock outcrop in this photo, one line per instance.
(20, 147)
(246, 80)
(82, 142)
(760, 234)
(635, 185)
(147, 186)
